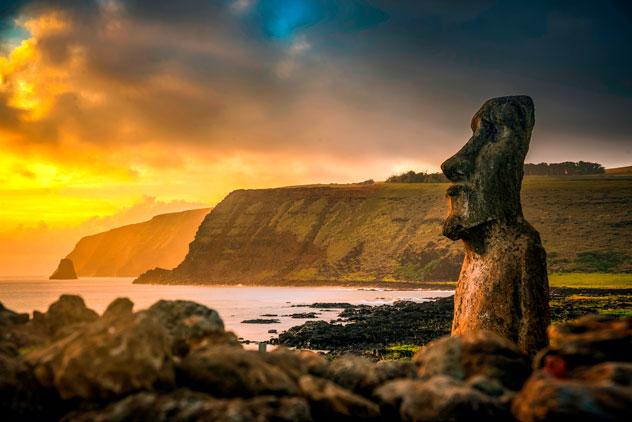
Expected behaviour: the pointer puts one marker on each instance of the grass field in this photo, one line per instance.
(569, 280)
(591, 280)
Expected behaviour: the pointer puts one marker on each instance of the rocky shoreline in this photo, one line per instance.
(175, 361)
(399, 329)
(369, 330)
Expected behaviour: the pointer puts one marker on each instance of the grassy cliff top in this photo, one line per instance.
(391, 232)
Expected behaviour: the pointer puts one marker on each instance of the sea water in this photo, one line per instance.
(234, 303)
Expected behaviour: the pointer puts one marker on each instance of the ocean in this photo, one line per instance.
(234, 303)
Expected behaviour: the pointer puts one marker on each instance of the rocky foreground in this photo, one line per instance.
(175, 361)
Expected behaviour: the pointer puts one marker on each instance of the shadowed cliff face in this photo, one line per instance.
(321, 233)
(130, 250)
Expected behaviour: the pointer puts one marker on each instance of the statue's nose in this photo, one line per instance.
(457, 167)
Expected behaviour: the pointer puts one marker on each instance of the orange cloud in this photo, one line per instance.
(99, 111)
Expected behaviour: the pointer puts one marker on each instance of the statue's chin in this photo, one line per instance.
(453, 228)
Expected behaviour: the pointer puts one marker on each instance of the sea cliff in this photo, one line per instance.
(389, 232)
(130, 250)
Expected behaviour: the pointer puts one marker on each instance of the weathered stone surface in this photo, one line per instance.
(387, 370)
(390, 396)
(296, 364)
(484, 384)
(20, 396)
(184, 405)
(589, 340)
(9, 317)
(119, 308)
(480, 353)
(225, 371)
(619, 373)
(65, 270)
(121, 367)
(63, 317)
(503, 285)
(329, 401)
(107, 358)
(12, 335)
(354, 373)
(190, 324)
(440, 398)
(545, 398)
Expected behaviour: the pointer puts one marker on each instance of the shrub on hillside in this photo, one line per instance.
(422, 177)
(567, 168)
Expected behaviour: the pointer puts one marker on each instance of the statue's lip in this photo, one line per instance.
(455, 189)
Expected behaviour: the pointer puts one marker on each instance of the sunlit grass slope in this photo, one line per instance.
(392, 232)
(591, 280)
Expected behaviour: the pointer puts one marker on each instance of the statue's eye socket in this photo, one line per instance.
(490, 131)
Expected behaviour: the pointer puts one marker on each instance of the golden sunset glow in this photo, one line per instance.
(112, 106)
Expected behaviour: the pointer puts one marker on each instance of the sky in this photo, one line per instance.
(112, 111)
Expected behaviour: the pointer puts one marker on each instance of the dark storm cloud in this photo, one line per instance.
(393, 78)
(8, 10)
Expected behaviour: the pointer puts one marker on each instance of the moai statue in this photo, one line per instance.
(503, 286)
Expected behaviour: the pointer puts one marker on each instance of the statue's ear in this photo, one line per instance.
(510, 116)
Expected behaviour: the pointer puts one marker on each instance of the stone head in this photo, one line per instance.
(487, 172)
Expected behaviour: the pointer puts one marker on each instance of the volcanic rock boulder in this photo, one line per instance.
(63, 317)
(297, 363)
(503, 285)
(191, 325)
(9, 317)
(65, 270)
(480, 358)
(185, 405)
(546, 398)
(440, 398)
(106, 359)
(119, 308)
(585, 373)
(20, 396)
(10, 330)
(329, 401)
(226, 371)
(589, 340)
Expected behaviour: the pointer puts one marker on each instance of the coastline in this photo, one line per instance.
(395, 285)
(361, 329)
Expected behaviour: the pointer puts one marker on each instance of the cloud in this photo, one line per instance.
(145, 209)
(302, 75)
(105, 101)
(36, 250)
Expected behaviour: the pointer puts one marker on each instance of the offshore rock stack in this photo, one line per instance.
(65, 270)
(175, 361)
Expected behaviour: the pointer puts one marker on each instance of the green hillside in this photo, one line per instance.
(620, 171)
(392, 232)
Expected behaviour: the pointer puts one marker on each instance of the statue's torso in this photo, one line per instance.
(498, 291)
